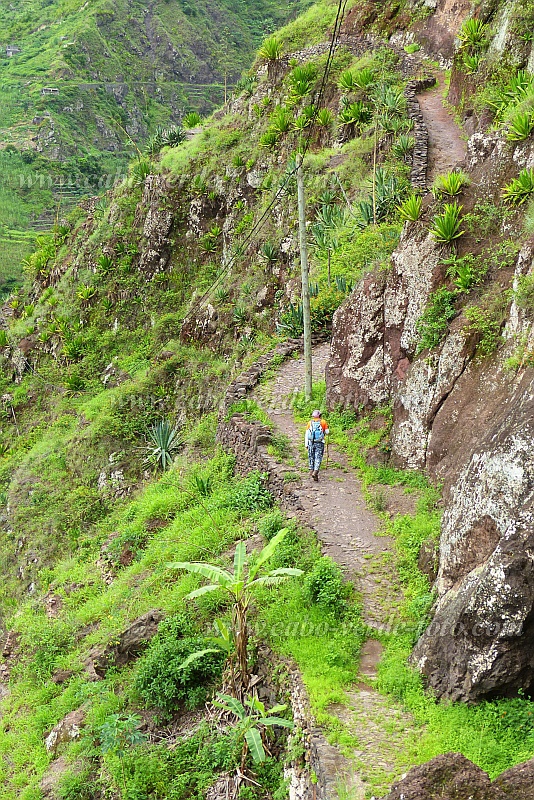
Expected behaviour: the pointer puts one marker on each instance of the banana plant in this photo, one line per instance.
(240, 584)
(252, 719)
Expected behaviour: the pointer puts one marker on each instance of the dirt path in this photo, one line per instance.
(446, 147)
(350, 534)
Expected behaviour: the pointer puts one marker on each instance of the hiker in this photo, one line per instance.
(316, 431)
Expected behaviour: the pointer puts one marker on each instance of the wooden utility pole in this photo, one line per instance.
(305, 280)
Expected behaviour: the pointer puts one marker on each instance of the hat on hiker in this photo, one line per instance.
(316, 413)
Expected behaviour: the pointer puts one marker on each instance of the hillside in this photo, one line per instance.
(120, 70)
(153, 416)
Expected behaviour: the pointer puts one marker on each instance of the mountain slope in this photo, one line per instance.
(120, 70)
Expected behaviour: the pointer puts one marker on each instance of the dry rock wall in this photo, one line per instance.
(468, 421)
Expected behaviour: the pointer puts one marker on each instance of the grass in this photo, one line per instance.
(494, 734)
(324, 646)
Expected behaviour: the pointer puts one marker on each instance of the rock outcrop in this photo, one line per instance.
(454, 777)
(469, 422)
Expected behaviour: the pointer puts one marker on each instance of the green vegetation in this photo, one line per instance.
(452, 183)
(410, 210)
(433, 323)
(519, 190)
(446, 226)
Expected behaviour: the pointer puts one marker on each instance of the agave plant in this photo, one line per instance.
(74, 384)
(410, 209)
(281, 120)
(245, 85)
(240, 316)
(325, 118)
(269, 139)
(343, 285)
(271, 49)
(173, 136)
(105, 262)
(471, 62)
(301, 80)
(403, 146)
(4, 339)
(204, 486)
(222, 295)
(155, 143)
(389, 99)
(472, 34)
(140, 171)
(163, 442)
(269, 253)
(347, 82)
(328, 197)
(520, 189)
(85, 293)
(191, 120)
(355, 114)
(238, 162)
(446, 227)
(520, 127)
(451, 183)
(517, 89)
(73, 348)
(302, 122)
(292, 321)
(352, 80)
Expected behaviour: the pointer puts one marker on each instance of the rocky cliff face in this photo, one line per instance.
(468, 421)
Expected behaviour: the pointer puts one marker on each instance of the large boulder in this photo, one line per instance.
(454, 777)
(469, 422)
(131, 643)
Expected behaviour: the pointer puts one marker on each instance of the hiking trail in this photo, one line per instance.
(351, 534)
(446, 148)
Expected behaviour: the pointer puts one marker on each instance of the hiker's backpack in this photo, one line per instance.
(316, 431)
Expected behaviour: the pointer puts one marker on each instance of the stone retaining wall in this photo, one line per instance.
(420, 151)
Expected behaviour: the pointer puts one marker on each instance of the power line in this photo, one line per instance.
(259, 224)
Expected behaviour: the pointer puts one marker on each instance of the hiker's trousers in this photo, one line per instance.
(315, 455)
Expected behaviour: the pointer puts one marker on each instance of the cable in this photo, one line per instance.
(259, 224)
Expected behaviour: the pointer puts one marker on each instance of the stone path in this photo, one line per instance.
(446, 147)
(350, 534)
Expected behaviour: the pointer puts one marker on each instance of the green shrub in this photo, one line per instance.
(271, 523)
(520, 127)
(432, 325)
(403, 146)
(452, 183)
(323, 308)
(446, 227)
(487, 327)
(325, 586)
(161, 680)
(472, 34)
(249, 495)
(410, 210)
(524, 293)
(519, 190)
(271, 49)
